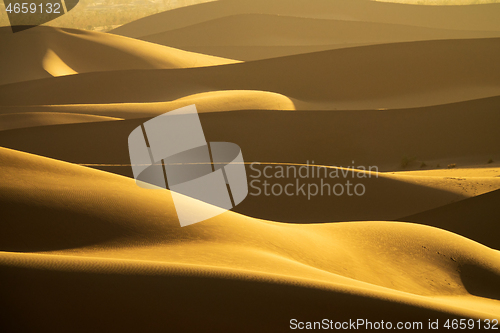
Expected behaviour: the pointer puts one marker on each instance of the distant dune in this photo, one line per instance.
(258, 36)
(45, 52)
(386, 270)
(482, 17)
(383, 139)
(33, 119)
(475, 217)
(370, 137)
(491, 169)
(380, 76)
(213, 101)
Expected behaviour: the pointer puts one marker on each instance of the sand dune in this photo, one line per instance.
(367, 137)
(388, 197)
(490, 170)
(410, 91)
(380, 198)
(258, 36)
(55, 66)
(45, 51)
(120, 232)
(215, 101)
(249, 53)
(469, 217)
(379, 76)
(278, 30)
(473, 17)
(32, 119)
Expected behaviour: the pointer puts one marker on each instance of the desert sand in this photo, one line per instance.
(476, 18)
(94, 238)
(413, 91)
(44, 52)
(260, 36)
(398, 75)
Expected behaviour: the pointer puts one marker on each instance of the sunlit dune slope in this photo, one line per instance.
(377, 76)
(43, 52)
(475, 217)
(111, 240)
(473, 17)
(214, 101)
(258, 36)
